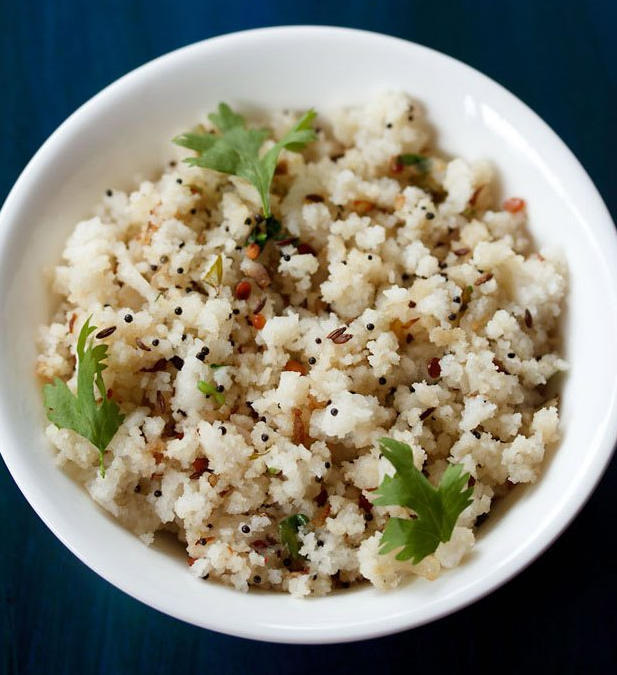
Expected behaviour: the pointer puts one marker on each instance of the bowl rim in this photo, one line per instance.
(351, 632)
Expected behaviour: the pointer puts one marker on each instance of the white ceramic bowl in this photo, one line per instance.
(126, 129)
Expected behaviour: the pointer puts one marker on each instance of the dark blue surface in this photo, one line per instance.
(558, 616)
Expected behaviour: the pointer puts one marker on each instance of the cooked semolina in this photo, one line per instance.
(402, 301)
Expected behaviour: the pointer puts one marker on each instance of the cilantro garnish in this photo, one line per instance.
(437, 509)
(98, 422)
(411, 159)
(288, 530)
(210, 389)
(235, 149)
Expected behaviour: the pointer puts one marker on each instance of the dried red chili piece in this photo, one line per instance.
(200, 466)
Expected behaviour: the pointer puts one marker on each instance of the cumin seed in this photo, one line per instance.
(426, 413)
(141, 345)
(336, 332)
(105, 332)
(487, 276)
(161, 403)
(260, 306)
(342, 339)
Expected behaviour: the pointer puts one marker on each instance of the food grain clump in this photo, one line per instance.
(393, 297)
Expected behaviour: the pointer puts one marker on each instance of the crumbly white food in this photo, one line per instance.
(393, 253)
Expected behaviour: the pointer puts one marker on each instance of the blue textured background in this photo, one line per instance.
(558, 616)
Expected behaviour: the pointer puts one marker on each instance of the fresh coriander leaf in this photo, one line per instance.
(288, 531)
(235, 150)
(437, 509)
(200, 142)
(411, 159)
(216, 366)
(294, 140)
(273, 471)
(226, 119)
(97, 422)
(209, 389)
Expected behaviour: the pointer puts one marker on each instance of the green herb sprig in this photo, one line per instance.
(437, 509)
(235, 150)
(95, 421)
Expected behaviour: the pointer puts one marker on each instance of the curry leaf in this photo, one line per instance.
(214, 274)
(411, 159)
(288, 530)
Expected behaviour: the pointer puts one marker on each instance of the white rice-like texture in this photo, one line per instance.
(392, 252)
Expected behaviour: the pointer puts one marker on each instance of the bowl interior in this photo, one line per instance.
(125, 131)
